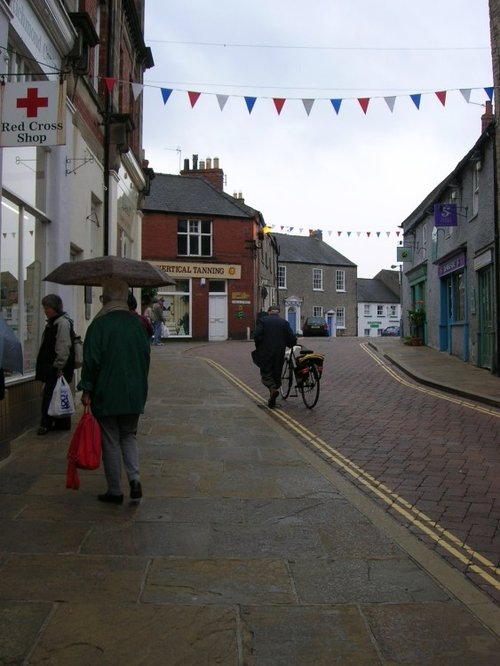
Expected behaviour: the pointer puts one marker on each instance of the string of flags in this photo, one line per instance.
(308, 103)
(339, 233)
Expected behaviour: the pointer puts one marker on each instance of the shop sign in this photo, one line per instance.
(181, 269)
(452, 265)
(445, 215)
(483, 260)
(32, 113)
(34, 36)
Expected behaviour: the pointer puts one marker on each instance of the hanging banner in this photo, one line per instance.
(32, 113)
(445, 215)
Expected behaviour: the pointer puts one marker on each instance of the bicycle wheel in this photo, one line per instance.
(310, 388)
(286, 379)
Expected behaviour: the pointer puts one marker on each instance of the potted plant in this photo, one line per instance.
(416, 318)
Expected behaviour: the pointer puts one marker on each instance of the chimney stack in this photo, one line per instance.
(204, 169)
(488, 117)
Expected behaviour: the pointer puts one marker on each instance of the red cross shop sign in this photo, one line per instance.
(32, 113)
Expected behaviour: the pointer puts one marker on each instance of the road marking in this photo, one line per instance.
(428, 391)
(475, 562)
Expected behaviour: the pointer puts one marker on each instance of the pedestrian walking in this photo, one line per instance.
(132, 306)
(157, 311)
(54, 359)
(272, 336)
(114, 382)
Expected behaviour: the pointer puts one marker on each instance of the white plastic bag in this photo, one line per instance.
(61, 403)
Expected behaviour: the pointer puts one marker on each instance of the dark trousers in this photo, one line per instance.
(47, 421)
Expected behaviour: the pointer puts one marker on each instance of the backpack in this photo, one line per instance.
(76, 346)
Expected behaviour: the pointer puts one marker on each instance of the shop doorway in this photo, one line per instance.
(217, 311)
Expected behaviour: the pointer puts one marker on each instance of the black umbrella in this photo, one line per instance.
(93, 272)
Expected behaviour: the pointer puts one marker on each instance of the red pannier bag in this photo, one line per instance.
(84, 450)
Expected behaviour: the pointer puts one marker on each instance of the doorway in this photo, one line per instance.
(486, 331)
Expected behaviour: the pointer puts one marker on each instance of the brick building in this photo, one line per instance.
(216, 248)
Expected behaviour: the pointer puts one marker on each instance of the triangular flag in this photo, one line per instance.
(358, 233)
(489, 92)
(308, 104)
(466, 94)
(378, 234)
(339, 233)
(165, 93)
(416, 100)
(390, 102)
(368, 234)
(387, 233)
(291, 229)
(222, 99)
(136, 89)
(349, 234)
(336, 105)
(278, 103)
(397, 233)
(441, 95)
(250, 102)
(363, 102)
(110, 83)
(193, 97)
(4, 234)
(31, 232)
(329, 233)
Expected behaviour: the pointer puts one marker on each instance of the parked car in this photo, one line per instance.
(391, 330)
(315, 326)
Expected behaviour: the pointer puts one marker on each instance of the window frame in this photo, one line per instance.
(340, 281)
(192, 235)
(317, 279)
(281, 277)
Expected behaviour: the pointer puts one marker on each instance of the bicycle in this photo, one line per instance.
(306, 368)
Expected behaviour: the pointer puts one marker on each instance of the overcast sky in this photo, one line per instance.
(346, 172)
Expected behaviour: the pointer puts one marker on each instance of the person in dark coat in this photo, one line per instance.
(55, 359)
(273, 335)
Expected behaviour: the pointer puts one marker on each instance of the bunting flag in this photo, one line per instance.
(278, 103)
(336, 105)
(165, 93)
(193, 98)
(250, 101)
(390, 101)
(441, 96)
(110, 83)
(416, 100)
(363, 102)
(308, 105)
(222, 99)
(136, 89)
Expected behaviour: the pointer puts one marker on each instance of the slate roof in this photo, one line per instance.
(194, 196)
(309, 250)
(375, 291)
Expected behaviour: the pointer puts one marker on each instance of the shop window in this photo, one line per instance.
(20, 277)
(194, 238)
(178, 308)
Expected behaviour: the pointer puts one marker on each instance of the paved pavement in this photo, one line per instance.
(248, 548)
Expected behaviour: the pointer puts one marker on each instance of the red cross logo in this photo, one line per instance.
(32, 102)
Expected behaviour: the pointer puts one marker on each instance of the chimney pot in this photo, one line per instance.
(216, 162)
(208, 162)
(202, 165)
(186, 164)
(195, 162)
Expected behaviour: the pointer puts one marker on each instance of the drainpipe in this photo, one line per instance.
(107, 116)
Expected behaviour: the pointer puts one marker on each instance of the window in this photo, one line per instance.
(475, 188)
(317, 279)
(340, 280)
(281, 277)
(367, 309)
(20, 273)
(194, 238)
(317, 311)
(367, 332)
(177, 302)
(458, 285)
(393, 310)
(340, 316)
(380, 310)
